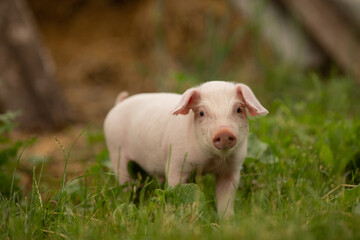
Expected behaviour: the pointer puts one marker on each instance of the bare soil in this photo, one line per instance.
(103, 47)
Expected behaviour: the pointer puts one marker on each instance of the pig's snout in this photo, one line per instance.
(224, 139)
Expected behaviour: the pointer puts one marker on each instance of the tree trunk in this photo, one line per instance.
(291, 44)
(27, 74)
(330, 30)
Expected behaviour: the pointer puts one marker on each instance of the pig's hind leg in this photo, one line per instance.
(120, 161)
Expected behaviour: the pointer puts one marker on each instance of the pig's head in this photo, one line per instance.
(219, 114)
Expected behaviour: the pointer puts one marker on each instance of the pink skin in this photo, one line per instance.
(207, 124)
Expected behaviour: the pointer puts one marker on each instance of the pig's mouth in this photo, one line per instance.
(223, 153)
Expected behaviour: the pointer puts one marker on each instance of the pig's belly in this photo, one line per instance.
(145, 131)
(146, 147)
(151, 163)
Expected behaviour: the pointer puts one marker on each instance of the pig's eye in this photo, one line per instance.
(202, 114)
(239, 110)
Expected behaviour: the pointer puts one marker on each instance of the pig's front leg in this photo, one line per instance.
(226, 186)
(178, 171)
(176, 176)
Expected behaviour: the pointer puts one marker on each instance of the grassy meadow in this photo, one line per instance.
(300, 180)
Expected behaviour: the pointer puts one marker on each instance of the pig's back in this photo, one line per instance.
(145, 104)
(137, 126)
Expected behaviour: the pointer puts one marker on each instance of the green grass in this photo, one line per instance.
(300, 181)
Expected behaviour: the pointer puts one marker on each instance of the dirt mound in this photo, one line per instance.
(103, 47)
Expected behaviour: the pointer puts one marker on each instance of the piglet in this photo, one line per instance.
(170, 135)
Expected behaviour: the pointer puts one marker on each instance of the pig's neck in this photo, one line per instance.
(218, 165)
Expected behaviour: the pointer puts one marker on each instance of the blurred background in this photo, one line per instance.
(62, 63)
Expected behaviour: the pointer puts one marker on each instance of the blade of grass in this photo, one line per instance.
(168, 168)
(16, 166)
(67, 156)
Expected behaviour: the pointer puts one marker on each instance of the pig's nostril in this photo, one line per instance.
(224, 139)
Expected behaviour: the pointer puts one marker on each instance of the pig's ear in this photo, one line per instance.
(252, 104)
(188, 100)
